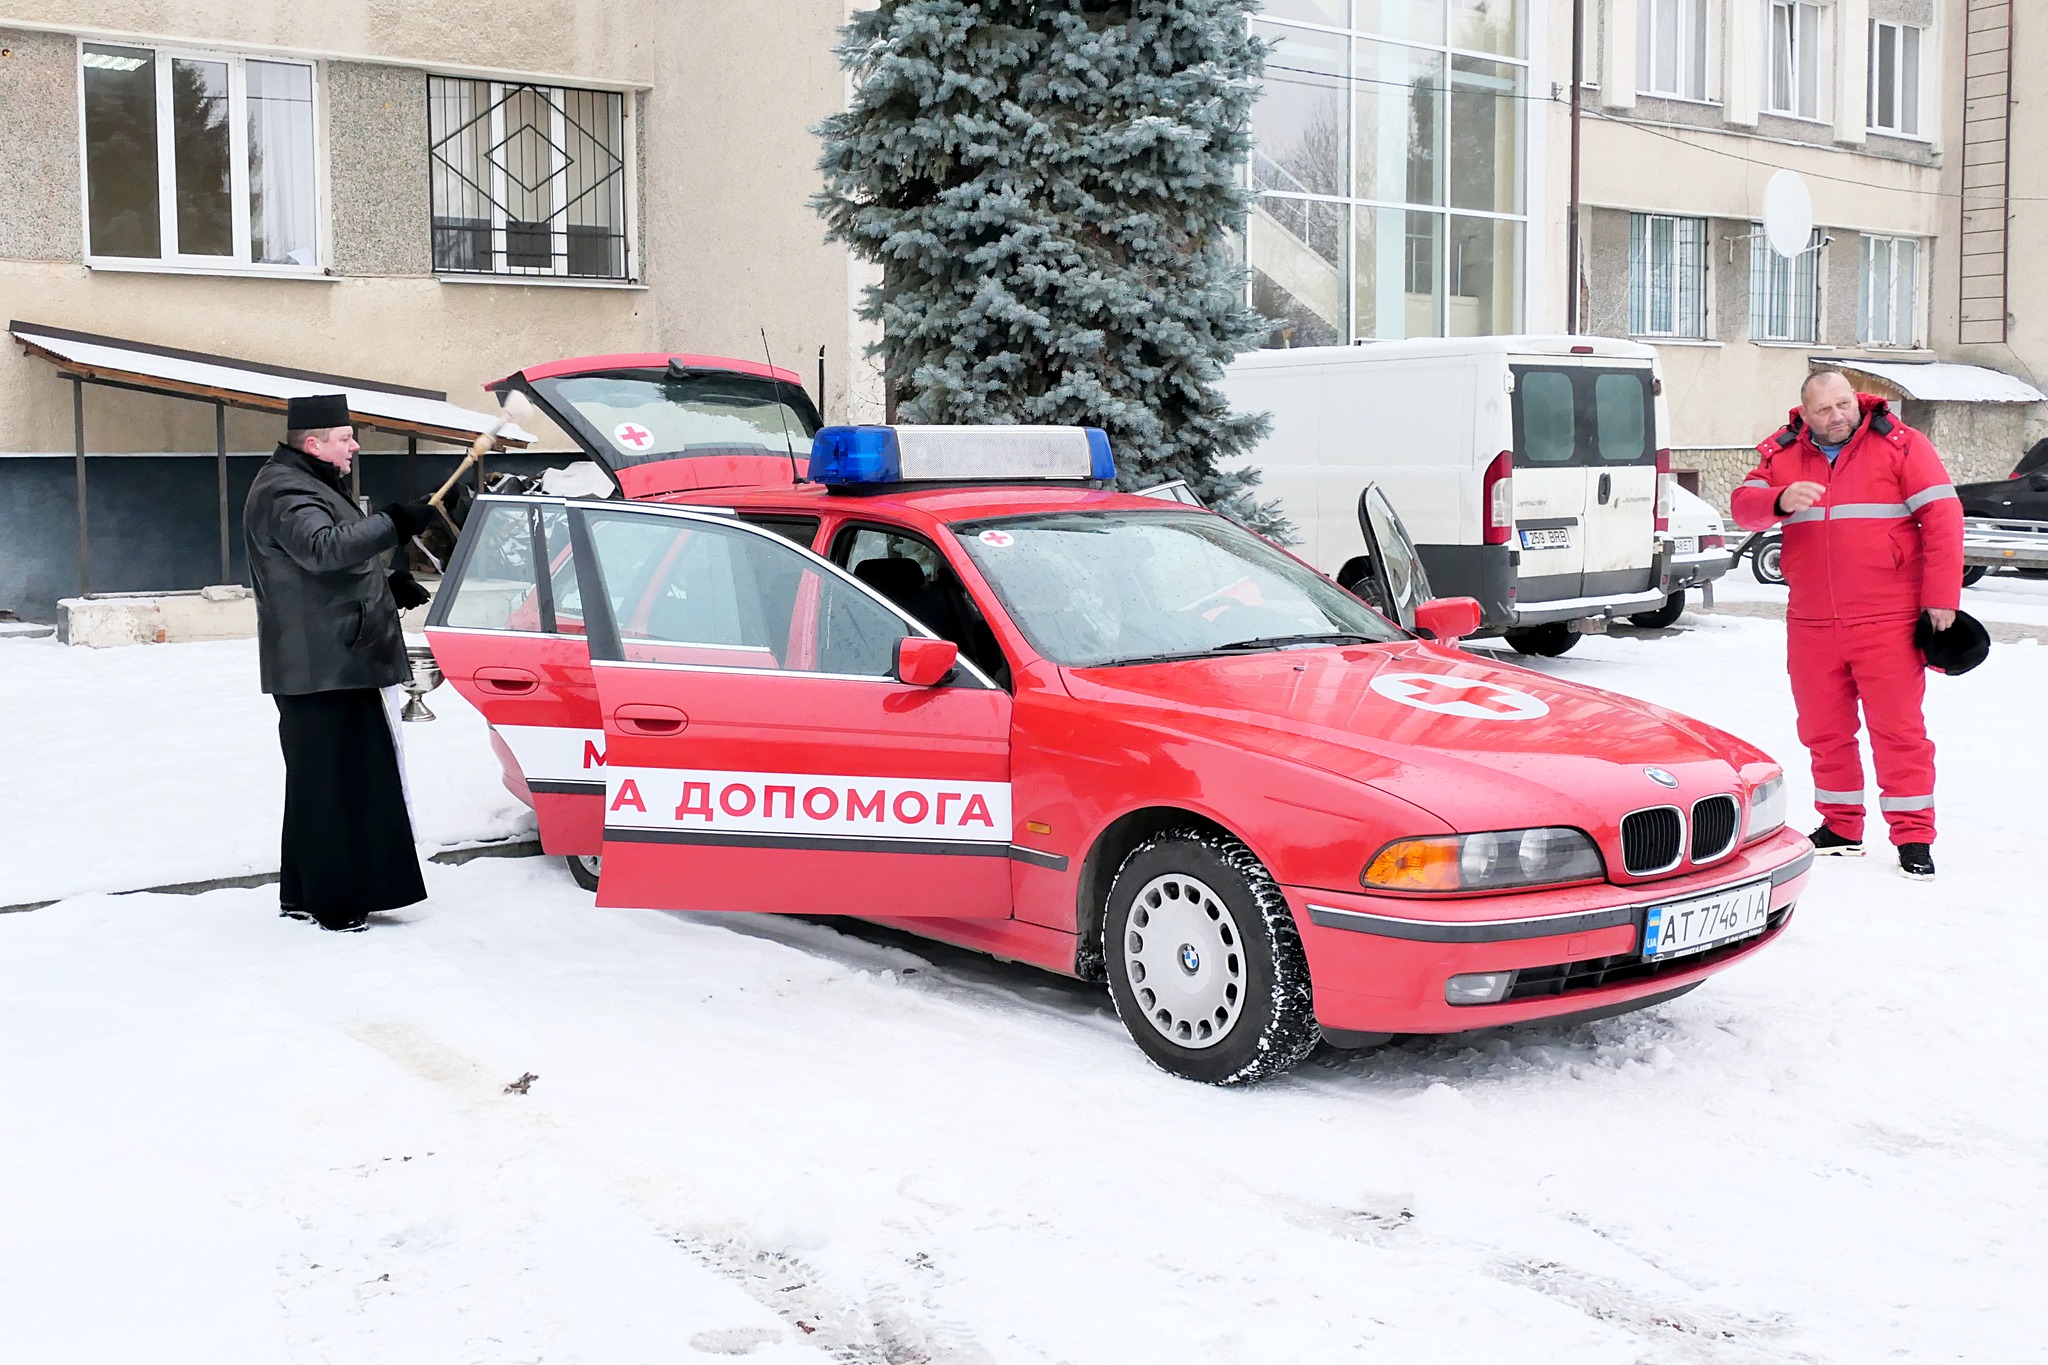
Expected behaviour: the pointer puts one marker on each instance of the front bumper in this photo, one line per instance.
(1379, 963)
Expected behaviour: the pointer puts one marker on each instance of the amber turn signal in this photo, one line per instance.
(1416, 865)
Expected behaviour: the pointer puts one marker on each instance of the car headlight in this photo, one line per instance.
(1766, 809)
(1496, 861)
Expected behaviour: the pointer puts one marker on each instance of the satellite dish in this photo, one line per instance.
(1788, 214)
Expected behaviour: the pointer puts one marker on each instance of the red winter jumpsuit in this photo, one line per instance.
(1885, 541)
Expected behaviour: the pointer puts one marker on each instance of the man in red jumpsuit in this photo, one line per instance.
(1873, 537)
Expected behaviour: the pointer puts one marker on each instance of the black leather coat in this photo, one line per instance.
(325, 620)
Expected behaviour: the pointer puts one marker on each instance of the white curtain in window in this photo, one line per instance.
(283, 204)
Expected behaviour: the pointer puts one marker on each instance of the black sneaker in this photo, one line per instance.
(294, 912)
(1916, 862)
(1828, 843)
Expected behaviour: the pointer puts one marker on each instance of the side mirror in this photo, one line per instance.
(1448, 619)
(926, 663)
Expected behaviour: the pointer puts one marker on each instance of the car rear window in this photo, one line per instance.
(1583, 415)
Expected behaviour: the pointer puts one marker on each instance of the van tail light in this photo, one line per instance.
(1711, 541)
(1664, 498)
(1497, 496)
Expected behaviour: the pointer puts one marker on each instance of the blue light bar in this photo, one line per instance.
(848, 456)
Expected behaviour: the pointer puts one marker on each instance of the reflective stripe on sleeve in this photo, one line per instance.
(1872, 511)
(1905, 803)
(1927, 495)
(1755, 483)
(1810, 514)
(1838, 798)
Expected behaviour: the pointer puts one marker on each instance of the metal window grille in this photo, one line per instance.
(1784, 294)
(527, 179)
(1889, 308)
(1667, 276)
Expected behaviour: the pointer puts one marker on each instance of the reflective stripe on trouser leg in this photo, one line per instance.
(1891, 678)
(1825, 695)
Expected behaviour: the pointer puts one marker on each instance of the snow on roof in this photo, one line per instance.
(248, 384)
(1941, 381)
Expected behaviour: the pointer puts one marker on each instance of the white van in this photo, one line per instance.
(1531, 471)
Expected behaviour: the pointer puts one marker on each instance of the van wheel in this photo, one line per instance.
(584, 868)
(1668, 614)
(1549, 641)
(1974, 575)
(1205, 964)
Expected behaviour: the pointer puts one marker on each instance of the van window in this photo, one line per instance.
(1620, 418)
(1547, 417)
(1579, 415)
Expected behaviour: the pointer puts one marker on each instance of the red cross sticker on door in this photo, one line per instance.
(632, 435)
(1473, 698)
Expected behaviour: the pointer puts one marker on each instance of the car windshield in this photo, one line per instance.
(1097, 588)
(639, 417)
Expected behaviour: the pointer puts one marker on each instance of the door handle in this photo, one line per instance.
(507, 682)
(1606, 488)
(639, 718)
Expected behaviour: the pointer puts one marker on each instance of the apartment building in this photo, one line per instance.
(424, 196)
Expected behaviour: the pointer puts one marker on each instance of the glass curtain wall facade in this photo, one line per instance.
(1388, 167)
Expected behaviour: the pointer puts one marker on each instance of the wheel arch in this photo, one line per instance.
(1099, 868)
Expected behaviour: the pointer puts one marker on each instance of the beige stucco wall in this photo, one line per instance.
(725, 96)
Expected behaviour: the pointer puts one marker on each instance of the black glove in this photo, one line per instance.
(406, 590)
(410, 518)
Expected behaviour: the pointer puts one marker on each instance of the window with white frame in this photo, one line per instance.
(1792, 59)
(1894, 103)
(1671, 48)
(527, 179)
(1784, 291)
(199, 159)
(1890, 306)
(1667, 275)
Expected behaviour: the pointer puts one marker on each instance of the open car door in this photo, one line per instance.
(1398, 583)
(761, 752)
(507, 632)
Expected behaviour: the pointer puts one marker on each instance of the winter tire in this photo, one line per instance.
(1205, 964)
(1974, 574)
(584, 868)
(1764, 562)
(1548, 641)
(1666, 615)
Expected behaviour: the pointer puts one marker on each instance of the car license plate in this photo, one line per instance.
(1688, 545)
(1702, 922)
(1547, 538)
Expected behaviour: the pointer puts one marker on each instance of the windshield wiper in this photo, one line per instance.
(1336, 637)
(1241, 647)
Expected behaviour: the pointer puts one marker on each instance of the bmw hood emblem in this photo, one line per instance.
(1660, 777)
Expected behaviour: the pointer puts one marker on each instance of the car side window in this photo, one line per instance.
(910, 572)
(497, 588)
(686, 591)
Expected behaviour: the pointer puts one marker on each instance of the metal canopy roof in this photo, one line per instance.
(248, 384)
(1942, 381)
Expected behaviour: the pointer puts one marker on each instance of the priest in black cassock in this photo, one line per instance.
(330, 644)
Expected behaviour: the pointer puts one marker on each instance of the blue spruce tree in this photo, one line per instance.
(1049, 188)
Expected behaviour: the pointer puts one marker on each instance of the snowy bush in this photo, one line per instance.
(1050, 189)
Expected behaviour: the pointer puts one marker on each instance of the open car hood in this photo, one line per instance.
(669, 423)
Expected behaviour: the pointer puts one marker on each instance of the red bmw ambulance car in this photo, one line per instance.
(945, 679)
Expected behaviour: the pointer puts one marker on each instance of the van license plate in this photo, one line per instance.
(1691, 926)
(1547, 538)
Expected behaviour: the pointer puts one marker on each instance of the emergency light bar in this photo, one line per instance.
(847, 456)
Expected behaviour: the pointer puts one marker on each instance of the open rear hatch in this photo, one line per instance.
(662, 423)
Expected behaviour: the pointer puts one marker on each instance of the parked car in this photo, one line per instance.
(950, 682)
(2014, 512)
(1699, 554)
(1531, 470)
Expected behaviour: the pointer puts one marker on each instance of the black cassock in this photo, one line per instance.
(348, 846)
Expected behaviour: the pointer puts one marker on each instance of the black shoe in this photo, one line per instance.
(1830, 844)
(1916, 862)
(345, 926)
(293, 912)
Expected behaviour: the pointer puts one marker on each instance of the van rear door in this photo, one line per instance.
(1550, 484)
(1585, 479)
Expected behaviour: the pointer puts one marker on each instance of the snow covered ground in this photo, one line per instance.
(225, 1137)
